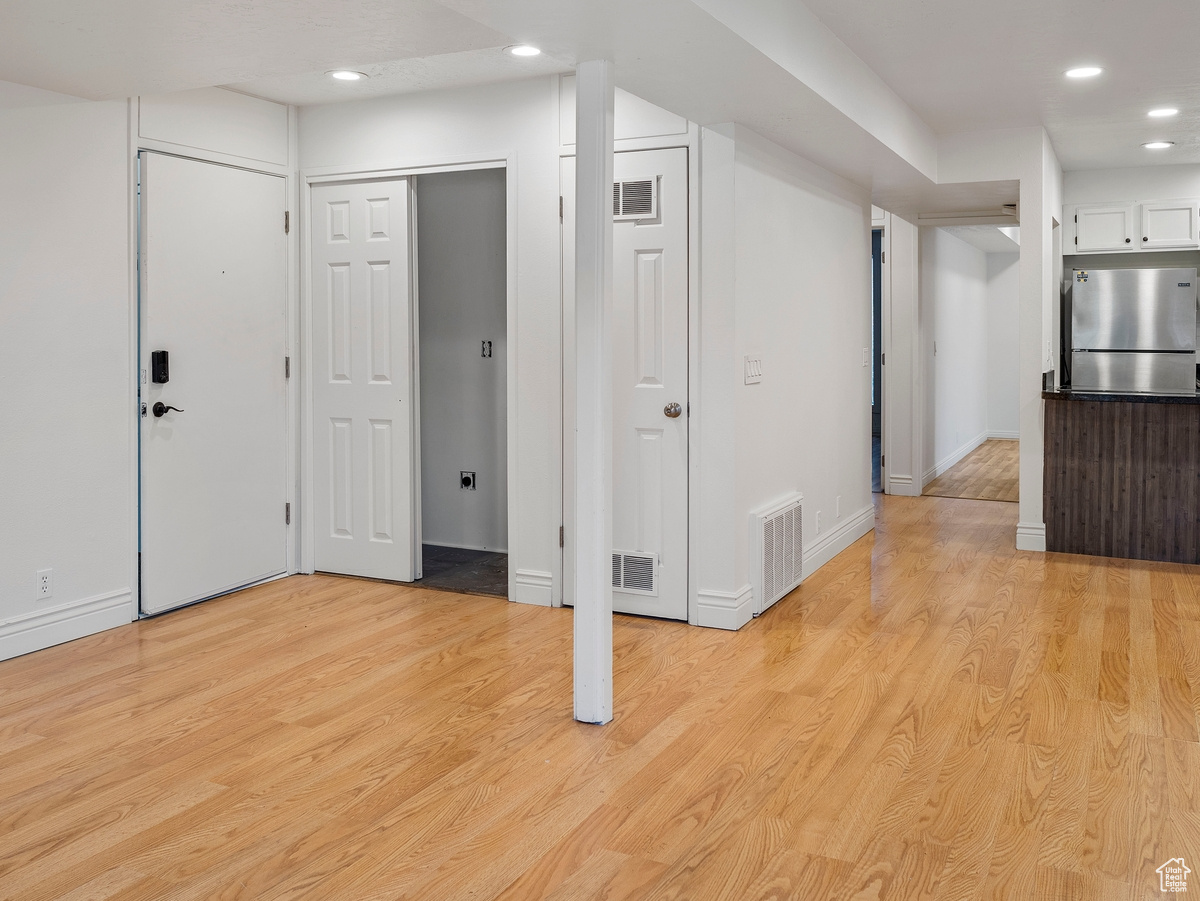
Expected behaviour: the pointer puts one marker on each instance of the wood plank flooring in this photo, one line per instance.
(931, 715)
(991, 472)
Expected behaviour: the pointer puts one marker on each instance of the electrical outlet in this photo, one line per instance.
(837, 509)
(818, 522)
(866, 355)
(45, 583)
(466, 481)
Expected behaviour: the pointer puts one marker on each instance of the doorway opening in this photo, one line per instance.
(462, 352)
(877, 360)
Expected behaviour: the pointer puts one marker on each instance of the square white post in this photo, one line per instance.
(593, 390)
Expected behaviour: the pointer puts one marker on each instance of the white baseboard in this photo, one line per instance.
(724, 610)
(45, 628)
(1031, 536)
(903, 486)
(953, 457)
(836, 540)
(531, 586)
(1004, 436)
(465, 547)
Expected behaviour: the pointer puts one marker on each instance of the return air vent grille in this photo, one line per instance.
(777, 536)
(635, 572)
(636, 199)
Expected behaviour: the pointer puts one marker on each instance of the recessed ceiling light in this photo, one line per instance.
(346, 75)
(1084, 72)
(1159, 145)
(524, 50)
(1163, 113)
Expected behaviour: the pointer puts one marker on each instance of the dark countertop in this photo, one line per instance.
(1102, 397)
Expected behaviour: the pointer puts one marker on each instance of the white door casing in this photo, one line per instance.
(364, 461)
(650, 371)
(213, 478)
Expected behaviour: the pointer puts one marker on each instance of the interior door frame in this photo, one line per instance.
(138, 145)
(310, 178)
(691, 143)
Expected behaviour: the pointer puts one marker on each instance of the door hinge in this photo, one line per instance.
(1077, 240)
(562, 535)
(287, 367)
(883, 359)
(1077, 219)
(287, 514)
(287, 222)
(560, 208)
(882, 460)
(882, 257)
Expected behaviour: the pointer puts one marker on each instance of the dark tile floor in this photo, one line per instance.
(464, 571)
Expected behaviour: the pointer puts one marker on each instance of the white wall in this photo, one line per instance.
(800, 281)
(462, 275)
(953, 324)
(1003, 344)
(1143, 183)
(517, 121)
(66, 369)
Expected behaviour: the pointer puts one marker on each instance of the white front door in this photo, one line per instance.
(213, 471)
(363, 418)
(650, 373)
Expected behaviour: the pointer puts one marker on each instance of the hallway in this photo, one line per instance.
(931, 715)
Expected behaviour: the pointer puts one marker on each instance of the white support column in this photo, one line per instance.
(593, 390)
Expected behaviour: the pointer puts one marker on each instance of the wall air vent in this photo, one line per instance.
(777, 542)
(635, 572)
(636, 199)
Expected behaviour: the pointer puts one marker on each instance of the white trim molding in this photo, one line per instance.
(723, 609)
(531, 586)
(45, 628)
(838, 539)
(1004, 436)
(1031, 536)
(902, 485)
(952, 458)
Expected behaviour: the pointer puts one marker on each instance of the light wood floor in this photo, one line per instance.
(989, 473)
(932, 715)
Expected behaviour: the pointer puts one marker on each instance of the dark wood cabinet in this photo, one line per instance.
(1122, 476)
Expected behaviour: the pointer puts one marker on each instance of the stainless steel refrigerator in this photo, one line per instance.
(1133, 330)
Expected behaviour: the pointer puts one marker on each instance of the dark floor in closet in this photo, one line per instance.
(464, 571)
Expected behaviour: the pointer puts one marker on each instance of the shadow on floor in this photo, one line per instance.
(464, 571)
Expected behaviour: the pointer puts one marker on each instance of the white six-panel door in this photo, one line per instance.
(213, 477)
(363, 417)
(650, 371)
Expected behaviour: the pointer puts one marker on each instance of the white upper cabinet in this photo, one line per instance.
(1103, 227)
(1169, 223)
(1131, 227)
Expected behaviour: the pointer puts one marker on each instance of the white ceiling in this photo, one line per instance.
(988, 238)
(961, 65)
(966, 65)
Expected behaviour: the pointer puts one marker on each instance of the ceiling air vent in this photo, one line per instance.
(635, 572)
(636, 199)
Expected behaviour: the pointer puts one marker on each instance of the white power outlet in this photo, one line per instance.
(818, 522)
(837, 509)
(45, 583)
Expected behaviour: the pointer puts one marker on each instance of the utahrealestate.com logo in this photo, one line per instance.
(1172, 875)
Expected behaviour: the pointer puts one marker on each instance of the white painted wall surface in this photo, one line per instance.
(903, 376)
(1143, 183)
(66, 368)
(218, 121)
(1003, 344)
(953, 324)
(518, 121)
(803, 302)
(461, 232)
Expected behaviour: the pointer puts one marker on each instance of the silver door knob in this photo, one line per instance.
(672, 410)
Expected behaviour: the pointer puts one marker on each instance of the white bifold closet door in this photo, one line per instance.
(213, 268)
(364, 464)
